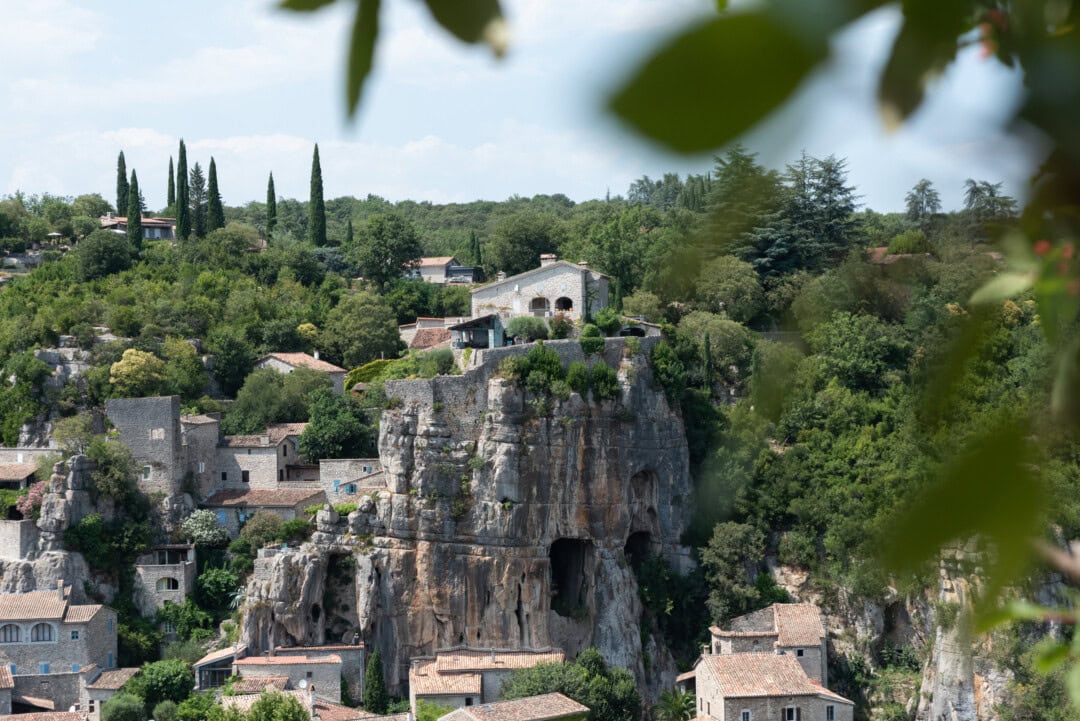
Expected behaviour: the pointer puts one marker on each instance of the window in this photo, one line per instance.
(42, 632)
(745, 715)
(74, 635)
(146, 473)
(168, 627)
(224, 475)
(468, 700)
(109, 663)
(91, 705)
(109, 628)
(799, 652)
(701, 704)
(708, 708)
(350, 489)
(337, 484)
(43, 668)
(367, 469)
(9, 633)
(792, 713)
(202, 467)
(281, 475)
(74, 668)
(168, 584)
(222, 518)
(830, 713)
(245, 476)
(309, 674)
(285, 449)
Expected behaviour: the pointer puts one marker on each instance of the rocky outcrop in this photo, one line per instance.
(505, 522)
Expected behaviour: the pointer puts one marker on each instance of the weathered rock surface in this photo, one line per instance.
(505, 522)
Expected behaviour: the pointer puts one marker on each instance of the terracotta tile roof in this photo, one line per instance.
(325, 647)
(254, 440)
(752, 675)
(220, 655)
(303, 360)
(16, 471)
(36, 701)
(81, 614)
(424, 680)
(287, 660)
(429, 338)
(531, 708)
(330, 711)
(33, 605)
(280, 431)
(799, 624)
(5, 677)
(435, 260)
(198, 420)
(686, 676)
(269, 498)
(258, 684)
(467, 659)
(243, 702)
(44, 715)
(113, 679)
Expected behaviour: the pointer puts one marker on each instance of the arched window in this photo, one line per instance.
(539, 307)
(564, 304)
(42, 632)
(10, 633)
(168, 584)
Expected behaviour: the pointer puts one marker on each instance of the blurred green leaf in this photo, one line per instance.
(1065, 396)
(471, 21)
(1002, 286)
(1072, 682)
(361, 51)
(304, 6)
(925, 45)
(990, 490)
(716, 80)
(1050, 656)
(721, 5)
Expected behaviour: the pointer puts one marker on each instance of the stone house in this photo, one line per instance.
(7, 685)
(764, 687)
(556, 287)
(234, 507)
(152, 228)
(321, 672)
(165, 573)
(47, 644)
(45, 716)
(288, 362)
(426, 333)
(344, 479)
(352, 662)
(200, 436)
(18, 539)
(213, 669)
(316, 706)
(260, 461)
(460, 677)
(546, 707)
(433, 269)
(151, 429)
(795, 629)
(16, 476)
(101, 687)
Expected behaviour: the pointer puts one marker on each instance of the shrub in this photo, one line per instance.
(295, 531)
(123, 707)
(591, 339)
(344, 509)
(544, 359)
(604, 382)
(560, 389)
(170, 680)
(577, 377)
(202, 529)
(561, 326)
(186, 618)
(608, 321)
(215, 588)
(29, 505)
(537, 382)
(262, 528)
(165, 711)
(187, 651)
(528, 327)
(437, 363)
(513, 368)
(669, 371)
(910, 241)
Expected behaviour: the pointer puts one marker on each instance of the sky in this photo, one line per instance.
(255, 87)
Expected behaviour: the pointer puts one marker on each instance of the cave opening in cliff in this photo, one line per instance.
(571, 563)
(637, 548)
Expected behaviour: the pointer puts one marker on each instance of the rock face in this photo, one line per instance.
(506, 521)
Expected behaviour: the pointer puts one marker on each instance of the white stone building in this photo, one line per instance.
(795, 629)
(288, 362)
(462, 677)
(556, 287)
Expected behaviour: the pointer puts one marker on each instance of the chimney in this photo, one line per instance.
(316, 354)
(548, 259)
(60, 590)
(501, 275)
(583, 263)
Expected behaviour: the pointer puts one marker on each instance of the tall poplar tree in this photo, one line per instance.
(349, 234)
(134, 214)
(271, 206)
(197, 200)
(121, 185)
(474, 248)
(170, 198)
(183, 212)
(316, 206)
(215, 213)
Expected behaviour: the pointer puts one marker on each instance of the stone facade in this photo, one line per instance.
(150, 427)
(166, 573)
(18, 539)
(234, 507)
(24, 455)
(344, 479)
(555, 287)
(352, 663)
(324, 672)
(201, 435)
(261, 464)
(288, 362)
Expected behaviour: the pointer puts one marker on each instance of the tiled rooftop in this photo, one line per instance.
(113, 679)
(33, 605)
(258, 684)
(532, 708)
(424, 680)
(281, 498)
(751, 675)
(16, 471)
(793, 624)
(221, 654)
(303, 360)
(287, 660)
(45, 716)
(467, 659)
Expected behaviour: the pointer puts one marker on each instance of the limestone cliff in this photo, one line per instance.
(506, 521)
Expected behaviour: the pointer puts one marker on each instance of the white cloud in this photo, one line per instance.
(45, 33)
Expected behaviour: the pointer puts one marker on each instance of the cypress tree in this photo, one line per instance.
(708, 362)
(316, 208)
(375, 697)
(170, 198)
(197, 200)
(474, 248)
(183, 214)
(121, 185)
(134, 214)
(271, 206)
(348, 234)
(215, 213)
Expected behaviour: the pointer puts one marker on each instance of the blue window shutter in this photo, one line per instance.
(110, 663)
(44, 668)
(221, 518)
(337, 484)
(74, 668)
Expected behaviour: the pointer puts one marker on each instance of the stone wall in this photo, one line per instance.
(24, 455)
(63, 689)
(74, 644)
(18, 539)
(810, 708)
(200, 441)
(150, 427)
(513, 296)
(149, 598)
(262, 465)
(325, 676)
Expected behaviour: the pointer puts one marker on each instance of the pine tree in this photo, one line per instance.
(121, 185)
(474, 248)
(134, 214)
(316, 208)
(183, 212)
(197, 200)
(375, 697)
(271, 206)
(170, 198)
(215, 213)
(348, 234)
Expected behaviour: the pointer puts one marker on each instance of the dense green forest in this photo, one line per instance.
(804, 336)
